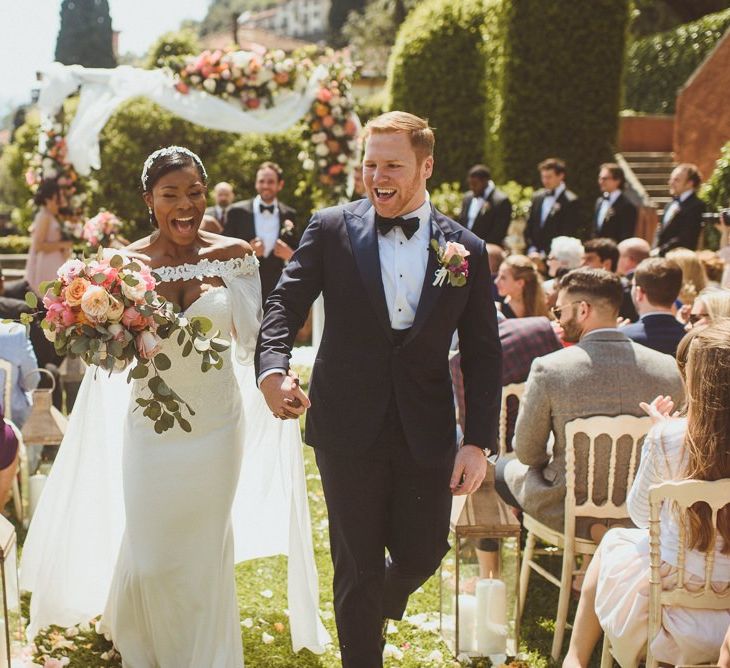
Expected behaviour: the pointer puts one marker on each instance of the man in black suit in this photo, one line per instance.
(223, 196)
(554, 209)
(654, 287)
(485, 210)
(267, 224)
(382, 410)
(615, 215)
(682, 220)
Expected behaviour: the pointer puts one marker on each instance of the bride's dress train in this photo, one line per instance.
(171, 598)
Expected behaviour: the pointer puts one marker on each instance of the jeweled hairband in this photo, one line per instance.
(170, 150)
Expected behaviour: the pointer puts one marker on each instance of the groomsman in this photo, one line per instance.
(554, 209)
(382, 411)
(223, 196)
(267, 224)
(615, 215)
(682, 220)
(485, 210)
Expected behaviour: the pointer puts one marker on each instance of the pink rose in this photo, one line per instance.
(452, 249)
(148, 345)
(324, 95)
(50, 298)
(117, 331)
(133, 319)
(149, 280)
(70, 270)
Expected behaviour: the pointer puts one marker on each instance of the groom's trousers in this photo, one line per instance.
(384, 499)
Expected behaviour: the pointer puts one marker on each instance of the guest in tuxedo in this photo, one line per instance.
(681, 223)
(215, 216)
(603, 357)
(600, 253)
(655, 286)
(615, 216)
(554, 209)
(267, 224)
(631, 252)
(382, 411)
(485, 210)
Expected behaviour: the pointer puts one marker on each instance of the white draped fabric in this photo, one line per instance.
(104, 90)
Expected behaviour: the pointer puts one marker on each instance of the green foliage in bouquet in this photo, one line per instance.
(659, 65)
(437, 71)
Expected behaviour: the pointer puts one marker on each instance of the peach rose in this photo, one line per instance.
(135, 292)
(148, 345)
(133, 319)
(95, 303)
(452, 249)
(117, 331)
(116, 310)
(75, 291)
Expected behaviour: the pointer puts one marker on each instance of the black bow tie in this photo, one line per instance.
(408, 225)
(549, 193)
(263, 207)
(607, 196)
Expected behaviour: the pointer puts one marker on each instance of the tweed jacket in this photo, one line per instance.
(604, 374)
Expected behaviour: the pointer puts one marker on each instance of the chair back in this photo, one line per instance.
(6, 368)
(511, 390)
(615, 428)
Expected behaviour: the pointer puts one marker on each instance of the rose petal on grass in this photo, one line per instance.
(267, 593)
(267, 638)
(392, 652)
(248, 623)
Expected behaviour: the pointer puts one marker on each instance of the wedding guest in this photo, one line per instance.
(601, 253)
(16, 348)
(566, 253)
(554, 209)
(216, 215)
(615, 216)
(681, 223)
(615, 595)
(713, 266)
(656, 284)
(520, 284)
(268, 224)
(485, 210)
(8, 459)
(358, 185)
(556, 393)
(48, 249)
(496, 256)
(10, 307)
(694, 279)
(711, 304)
(630, 253)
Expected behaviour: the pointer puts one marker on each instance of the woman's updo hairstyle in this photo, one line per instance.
(47, 189)
(166, 160)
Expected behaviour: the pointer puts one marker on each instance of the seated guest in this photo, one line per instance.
(694, 279)
(681, 222)
(566, 253)
(520, 285)
(496, 256)
(630, 253)
(604, 374)
(711, 304)
(615, 595)
(713, 266)
(10, 307)
(615, 215)
(656, 283)
(15, 347)
(8, 459)
(485, 210)
(601, 253)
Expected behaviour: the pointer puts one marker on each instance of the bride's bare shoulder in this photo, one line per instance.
(225, 248)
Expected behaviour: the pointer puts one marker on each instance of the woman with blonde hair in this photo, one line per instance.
(711, 304)
(694, 278)
(615, 596)
(519, 282)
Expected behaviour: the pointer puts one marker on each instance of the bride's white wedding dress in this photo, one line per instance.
(170, 596)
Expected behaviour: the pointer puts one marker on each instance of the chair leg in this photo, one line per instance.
(527, 555)
(606, 656)
(561, 619)
(17, 500)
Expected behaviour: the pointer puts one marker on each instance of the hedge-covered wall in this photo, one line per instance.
(436, 70)
(716, 192)
(554, 72)
(657, 66)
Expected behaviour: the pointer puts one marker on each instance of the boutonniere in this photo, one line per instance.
(609, 213)
(555, 208)
(287, 229)
(454, 265)
(485, 207)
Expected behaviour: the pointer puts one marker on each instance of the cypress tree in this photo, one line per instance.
(85, 36)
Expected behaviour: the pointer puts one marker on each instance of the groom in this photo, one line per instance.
(382, 409)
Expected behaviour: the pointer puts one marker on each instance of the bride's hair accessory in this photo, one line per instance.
(169, 155)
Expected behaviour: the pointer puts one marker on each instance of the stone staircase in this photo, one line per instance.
(652, 171)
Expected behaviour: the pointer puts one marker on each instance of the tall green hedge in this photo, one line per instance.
(716, 192)
(657, 66)
(554, 72)
(436, 71)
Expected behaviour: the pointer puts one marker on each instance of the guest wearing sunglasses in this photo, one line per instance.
(711, 304)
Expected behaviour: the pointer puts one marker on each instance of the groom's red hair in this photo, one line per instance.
(420, 134)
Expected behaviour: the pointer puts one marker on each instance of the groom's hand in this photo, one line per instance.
(470, 467)
(284, 396)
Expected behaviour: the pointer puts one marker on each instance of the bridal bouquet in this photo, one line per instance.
(106, 311)
(101, 230)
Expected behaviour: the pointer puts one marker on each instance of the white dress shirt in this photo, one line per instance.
(477, 203)
(671, 210)
(606, 204)
(266, 224)
(403, 267)
(549, 202)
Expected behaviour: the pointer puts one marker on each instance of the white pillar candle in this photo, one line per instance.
(36, 484)
(491, 617)
(467, 620)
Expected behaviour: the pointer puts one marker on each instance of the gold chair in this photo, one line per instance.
(614, 428)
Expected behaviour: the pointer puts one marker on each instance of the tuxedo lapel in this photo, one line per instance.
(441, 231)
(363, 235)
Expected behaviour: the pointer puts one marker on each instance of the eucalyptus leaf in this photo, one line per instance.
(133, 266)
(98, 278)
(116, 262)
(44, 286)
(31, 298)
(162, 362)
(187, 348)
(202, 324)
(140, 371)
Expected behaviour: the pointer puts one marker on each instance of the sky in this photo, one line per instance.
(28, 31)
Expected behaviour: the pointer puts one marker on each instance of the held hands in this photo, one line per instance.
(258, 246)
(282, 250)
(660, 409)
(285, 398)
(470, 467)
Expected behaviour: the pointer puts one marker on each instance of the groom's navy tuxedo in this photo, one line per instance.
(382, 417)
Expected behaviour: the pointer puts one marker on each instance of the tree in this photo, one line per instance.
(85, 35)
(339, 11)
(171, 48)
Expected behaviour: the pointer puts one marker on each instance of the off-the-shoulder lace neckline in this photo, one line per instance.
(208, 268)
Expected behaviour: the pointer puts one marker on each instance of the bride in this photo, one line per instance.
(155, 550)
